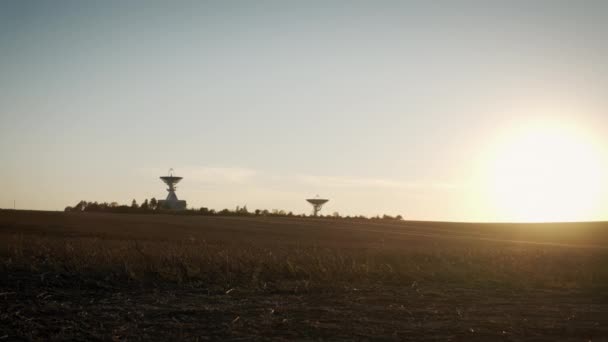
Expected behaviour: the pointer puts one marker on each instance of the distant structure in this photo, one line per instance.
(171, 202)
(317, 204)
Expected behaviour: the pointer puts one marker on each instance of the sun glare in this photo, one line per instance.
(544, 173)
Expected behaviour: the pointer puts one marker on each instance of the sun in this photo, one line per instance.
(544, 173)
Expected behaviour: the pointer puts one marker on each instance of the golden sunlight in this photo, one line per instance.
(545, 173)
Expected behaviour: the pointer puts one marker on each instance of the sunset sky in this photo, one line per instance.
(455, 110)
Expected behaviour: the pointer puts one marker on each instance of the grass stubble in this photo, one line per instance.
(103, 287)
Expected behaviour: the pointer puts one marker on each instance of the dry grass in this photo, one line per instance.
(245, 264)
(147, 277)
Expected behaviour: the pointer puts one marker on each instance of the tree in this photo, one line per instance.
(145, 205)
(134, 204)
(94, 206)
(80, 206)
(153, 203)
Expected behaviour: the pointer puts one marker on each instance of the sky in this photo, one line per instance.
(416, 108)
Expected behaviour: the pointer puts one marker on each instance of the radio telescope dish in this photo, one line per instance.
(172, 202)
(317, 203)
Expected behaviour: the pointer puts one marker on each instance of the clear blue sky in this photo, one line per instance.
(382, 106)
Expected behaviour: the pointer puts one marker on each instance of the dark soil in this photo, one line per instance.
(58, 307)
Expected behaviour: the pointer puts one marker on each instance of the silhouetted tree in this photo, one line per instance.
(153, 203)
(134, 204)
(145, 206)
(91, 206)
(80, 206)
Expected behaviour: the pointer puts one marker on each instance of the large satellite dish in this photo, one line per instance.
(172, 202)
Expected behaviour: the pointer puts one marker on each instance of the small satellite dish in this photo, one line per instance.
(317, 204)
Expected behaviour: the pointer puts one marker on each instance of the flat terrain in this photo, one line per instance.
(92, 276)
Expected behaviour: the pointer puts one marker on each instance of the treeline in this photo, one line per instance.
(146, 206)
(152, 206)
